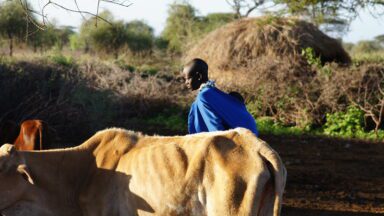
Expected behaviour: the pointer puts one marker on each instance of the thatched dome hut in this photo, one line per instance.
(241, 44)
(262, 59)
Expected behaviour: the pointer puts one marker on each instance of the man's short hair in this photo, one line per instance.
(198, 65)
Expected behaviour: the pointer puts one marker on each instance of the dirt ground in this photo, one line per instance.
(330, 176)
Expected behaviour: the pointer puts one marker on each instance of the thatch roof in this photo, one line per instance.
(241, 44)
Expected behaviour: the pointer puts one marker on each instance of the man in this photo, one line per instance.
(213, 110)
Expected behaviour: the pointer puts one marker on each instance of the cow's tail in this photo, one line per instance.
(279, 174)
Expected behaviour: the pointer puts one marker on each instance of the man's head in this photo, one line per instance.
(195, 73)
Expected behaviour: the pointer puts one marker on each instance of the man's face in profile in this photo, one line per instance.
(191, 77)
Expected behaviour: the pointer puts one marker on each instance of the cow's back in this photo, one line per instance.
(223, 173)
(206, 174)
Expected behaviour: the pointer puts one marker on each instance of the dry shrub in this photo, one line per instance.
(39, 91)
(136, 94)
(79, 99)
(262, 58)
(361, 86)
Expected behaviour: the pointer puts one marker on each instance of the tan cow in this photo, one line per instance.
(118, 172)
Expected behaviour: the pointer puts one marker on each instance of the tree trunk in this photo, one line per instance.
(10, 45)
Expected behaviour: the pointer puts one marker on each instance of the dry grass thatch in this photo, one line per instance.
(240, 44)
(262, 58)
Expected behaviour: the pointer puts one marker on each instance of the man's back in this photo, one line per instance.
(216, 110)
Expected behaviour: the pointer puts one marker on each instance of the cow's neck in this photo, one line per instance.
(61, 173)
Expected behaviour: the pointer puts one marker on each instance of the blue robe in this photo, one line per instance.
(214, 110)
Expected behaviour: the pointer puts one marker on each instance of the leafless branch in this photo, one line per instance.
(248, 5)
(123, 3)
(50, 2)
(43, 15)
(78, 8)
(28, 12)
(97, 12)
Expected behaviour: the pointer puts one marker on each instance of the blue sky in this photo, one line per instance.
(154, 13)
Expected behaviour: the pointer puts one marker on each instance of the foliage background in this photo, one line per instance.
(122, 74)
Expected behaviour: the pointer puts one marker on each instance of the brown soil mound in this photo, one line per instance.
(240, 44)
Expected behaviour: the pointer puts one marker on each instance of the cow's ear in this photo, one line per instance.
(23, 170)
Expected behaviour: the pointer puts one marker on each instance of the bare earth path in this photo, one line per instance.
(330, 176)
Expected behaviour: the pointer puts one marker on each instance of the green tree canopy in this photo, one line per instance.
(179, 26)
(113, 36)
(140, 37)
(87, 27)
(183, 26)
(14, 22)
(332, 15)
(214, 20)
(109, 37)
(63, 35)
(43, 39)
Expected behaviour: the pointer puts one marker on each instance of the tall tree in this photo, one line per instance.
(14, 22)
(86, 29)
(179, 26)
(43, 39)
(109, 37)
(63, 35)
(140, 37)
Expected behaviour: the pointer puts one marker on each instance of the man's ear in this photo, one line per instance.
(23, 170)
(199, 76)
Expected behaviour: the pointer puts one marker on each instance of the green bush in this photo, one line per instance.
(309, 54)
(61, 59)
(345, 124)
(170, 119)
(267, 125)
(371, 135)
(140, 37)
(123, 65)
(148, 70)
(173, 122)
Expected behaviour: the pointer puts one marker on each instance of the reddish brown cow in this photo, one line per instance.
(31, 135)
